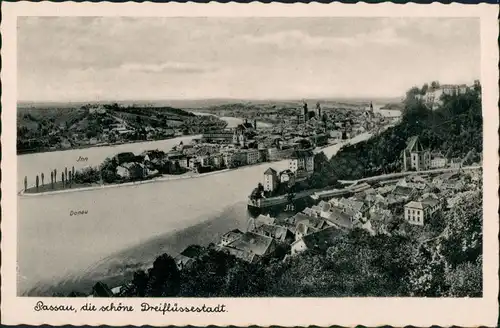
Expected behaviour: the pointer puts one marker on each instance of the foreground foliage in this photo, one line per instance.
(356, 264)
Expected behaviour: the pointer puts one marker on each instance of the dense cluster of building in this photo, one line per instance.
(414, 199)
(249, 143)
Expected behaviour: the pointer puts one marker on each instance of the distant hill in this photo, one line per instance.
(393, 106)
(213, 102)
(64, 126)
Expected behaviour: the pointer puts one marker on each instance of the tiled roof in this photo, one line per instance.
(321, 239)
(355, 205)
(263, 219)
(325, 206)
(304, 229)
(340, 218)
(274, 231)
(255, 243)
(429, 201)
(385, 189)
(402, 191)
(316, 208)
(233, 235)
(299, 217)
(414, 204)
(241, 254)
(411, 143)
(192, 251)
(101, 290)
(314, 222)
(308, 211)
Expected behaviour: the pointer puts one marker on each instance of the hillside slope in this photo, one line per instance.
(454, 129)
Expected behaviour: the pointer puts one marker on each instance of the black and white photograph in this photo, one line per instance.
(249, 157)
(213, 157)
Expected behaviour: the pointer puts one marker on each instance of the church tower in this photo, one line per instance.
(318, 108)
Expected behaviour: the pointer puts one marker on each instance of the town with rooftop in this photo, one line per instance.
(405, 208)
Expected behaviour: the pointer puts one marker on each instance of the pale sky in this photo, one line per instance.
(113, 58)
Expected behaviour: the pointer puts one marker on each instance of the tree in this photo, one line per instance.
(425, 88)
(466, 279)
(324, 118)
(87, 175)
(140, 283)
(412, 92)
(92, 132)
(112, 137)
(305, 144)
(427, 273)
(435, 85)
(320, 161)
(436, 222)
(207, 276)
(463, 242)
(477, 86)
(108, 170)
(164, 278)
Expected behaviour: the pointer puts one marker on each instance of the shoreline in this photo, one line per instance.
(103, 145)
(340, 144)
(126, 184)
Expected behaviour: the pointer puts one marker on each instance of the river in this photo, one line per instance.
(233, 122)
(125, 228)
(30, 165)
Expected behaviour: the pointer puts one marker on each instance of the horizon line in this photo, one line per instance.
(212, 99)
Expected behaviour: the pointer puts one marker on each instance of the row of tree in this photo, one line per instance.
(67, 179)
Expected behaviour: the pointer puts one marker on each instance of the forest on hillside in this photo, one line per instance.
(454, 129)
(42, 128)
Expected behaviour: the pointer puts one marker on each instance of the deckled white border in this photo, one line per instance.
(262, 311)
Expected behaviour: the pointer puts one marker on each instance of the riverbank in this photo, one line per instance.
(329, 150)
(126, 184)
(118, 267)
(103, 144)
(117, 218)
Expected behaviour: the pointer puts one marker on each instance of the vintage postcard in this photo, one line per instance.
(249, 164)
